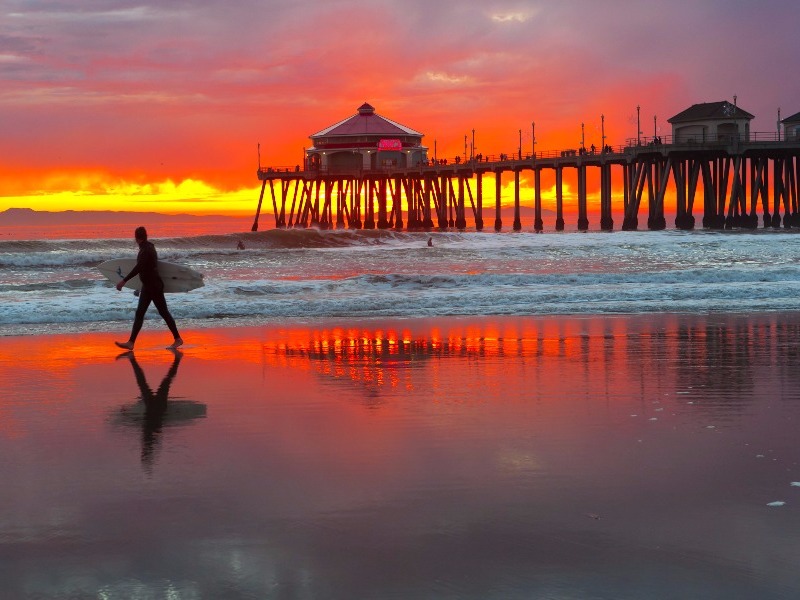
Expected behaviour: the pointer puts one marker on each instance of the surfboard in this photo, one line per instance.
(176, 278)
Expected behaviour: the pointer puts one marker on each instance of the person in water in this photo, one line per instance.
(152, 290)
(430, 242)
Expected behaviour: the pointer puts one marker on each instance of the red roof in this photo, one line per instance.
(366, 122)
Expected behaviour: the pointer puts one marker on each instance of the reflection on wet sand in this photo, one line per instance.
(712, 356)
(618, 457)
(155, 410)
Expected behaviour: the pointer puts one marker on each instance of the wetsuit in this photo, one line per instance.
(152, 289)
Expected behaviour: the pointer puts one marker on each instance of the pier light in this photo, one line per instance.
(472, 152)
(778, 124)
(603, 130)
(533, 137)
(638, 127)
(583, 137)
(520, 144)
(655, 127)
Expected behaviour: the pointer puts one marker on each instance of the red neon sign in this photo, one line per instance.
(390, 146)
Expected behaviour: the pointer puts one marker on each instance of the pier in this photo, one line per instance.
(730, 177)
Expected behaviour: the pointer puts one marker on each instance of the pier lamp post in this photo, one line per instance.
(435, 159)
(583, 137)
(655, 127)
(465, 147)
(735, 118)
(778, 124)
(533, 139)
(603, 130)
(638, 127)
(472, 153)
(520, 144)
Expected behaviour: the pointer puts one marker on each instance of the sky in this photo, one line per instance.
(144, 105)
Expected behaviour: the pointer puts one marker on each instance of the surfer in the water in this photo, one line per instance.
(152, 290)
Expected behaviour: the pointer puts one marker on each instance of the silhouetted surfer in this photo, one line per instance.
(430, 242)
(152, 290)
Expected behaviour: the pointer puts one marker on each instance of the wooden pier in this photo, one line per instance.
(739, 177)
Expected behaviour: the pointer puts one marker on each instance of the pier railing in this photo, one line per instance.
(506, 159)
(723, 139)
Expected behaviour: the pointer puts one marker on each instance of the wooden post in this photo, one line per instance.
(517, 220)
(479, 201)
(538, 224)
(498, 178)
(258, 208)
(559, 199)
(583, 217)
(461, 222)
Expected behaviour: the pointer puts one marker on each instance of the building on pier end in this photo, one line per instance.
(791, 128)
(365, 141)
(711, 122)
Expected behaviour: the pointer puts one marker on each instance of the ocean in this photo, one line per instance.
(53, 285)
(355, 414)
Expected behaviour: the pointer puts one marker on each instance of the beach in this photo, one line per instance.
(461, 301)
(552, 456)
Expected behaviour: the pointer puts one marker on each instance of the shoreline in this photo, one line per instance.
(480, 327)
(153, 324)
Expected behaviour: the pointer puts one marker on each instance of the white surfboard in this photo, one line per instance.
(176, 278)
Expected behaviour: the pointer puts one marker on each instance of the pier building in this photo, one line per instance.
(365, 140)
(711, 121)
(791, 127)
(360, 172)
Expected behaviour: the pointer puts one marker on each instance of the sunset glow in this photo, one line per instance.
(116, 106)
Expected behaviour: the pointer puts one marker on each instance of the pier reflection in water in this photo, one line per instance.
(614, 457)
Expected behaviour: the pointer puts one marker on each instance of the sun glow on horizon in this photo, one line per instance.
(87, 192)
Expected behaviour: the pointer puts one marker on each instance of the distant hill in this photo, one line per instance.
(15, 217)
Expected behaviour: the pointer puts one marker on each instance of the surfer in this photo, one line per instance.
(152, 290)
(430, 242)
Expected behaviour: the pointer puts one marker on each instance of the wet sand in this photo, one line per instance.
(560, 457)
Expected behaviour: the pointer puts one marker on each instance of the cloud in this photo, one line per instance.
(77, 13)
(446, 78)
(515, 17)
(186, 89)
(13, 58)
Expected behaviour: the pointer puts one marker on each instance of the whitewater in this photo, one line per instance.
(309, 275)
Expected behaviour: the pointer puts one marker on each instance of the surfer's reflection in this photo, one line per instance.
(155, 410)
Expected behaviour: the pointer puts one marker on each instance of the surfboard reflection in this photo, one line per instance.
(154, 410)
